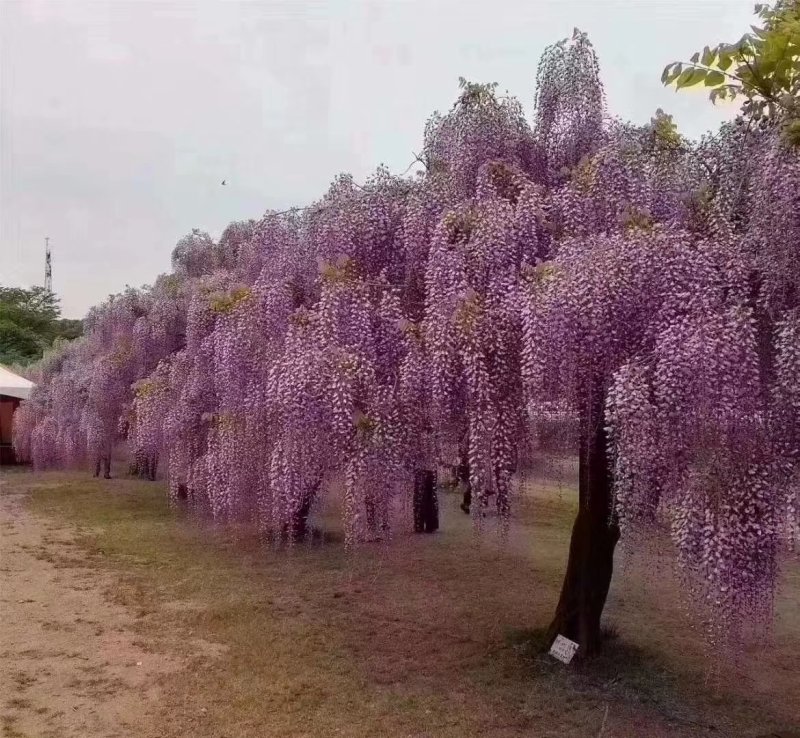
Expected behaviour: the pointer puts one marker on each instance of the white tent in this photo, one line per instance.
(13, 385)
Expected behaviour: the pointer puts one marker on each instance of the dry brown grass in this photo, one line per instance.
(430, 636)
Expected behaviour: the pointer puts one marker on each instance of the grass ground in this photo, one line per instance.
(430, 636)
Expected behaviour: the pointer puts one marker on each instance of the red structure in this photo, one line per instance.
(13, 389)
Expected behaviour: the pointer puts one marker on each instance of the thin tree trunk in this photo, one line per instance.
(594, 537)
(139, 466)
(463, 477)
(299, 524)
(145, 466)
(426, 504)
(298, 527)
(103, 462)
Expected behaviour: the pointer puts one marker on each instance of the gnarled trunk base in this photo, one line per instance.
(594, 537)
(586, 583)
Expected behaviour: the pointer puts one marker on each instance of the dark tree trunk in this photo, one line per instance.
(462, 476)
(103, 462)
(466, 502)
(299, 524)
(148, 468)
(298, 527)
(138, 468)
(144, 466)
(426, 504)
(377, 520)
(594, 537)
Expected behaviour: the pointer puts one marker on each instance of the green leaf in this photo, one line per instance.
(671, 72)
(714, 78)
(725, 59)
(690, 78)
(748, 44)
(724, 92)
(791, 133)
(708, 56)
(695, 57)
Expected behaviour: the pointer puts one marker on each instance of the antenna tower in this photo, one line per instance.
(48, 267)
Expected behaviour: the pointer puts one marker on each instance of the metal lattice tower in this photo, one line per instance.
(48, 267)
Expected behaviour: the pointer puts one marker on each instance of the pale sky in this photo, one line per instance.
(120, 119)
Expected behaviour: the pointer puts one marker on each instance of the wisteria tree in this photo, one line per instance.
(641, 286)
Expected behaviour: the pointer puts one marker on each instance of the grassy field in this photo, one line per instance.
(431, 636)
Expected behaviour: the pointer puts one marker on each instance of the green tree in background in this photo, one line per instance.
(30, 322)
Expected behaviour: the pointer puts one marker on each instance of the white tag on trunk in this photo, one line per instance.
(563, 649)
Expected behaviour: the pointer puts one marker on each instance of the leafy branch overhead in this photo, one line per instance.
(763, 66)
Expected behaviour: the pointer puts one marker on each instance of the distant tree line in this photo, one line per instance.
(30, 321)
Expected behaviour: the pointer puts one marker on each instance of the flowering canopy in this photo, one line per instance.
(526, 268)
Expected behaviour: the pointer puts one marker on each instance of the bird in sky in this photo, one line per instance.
(224, 182)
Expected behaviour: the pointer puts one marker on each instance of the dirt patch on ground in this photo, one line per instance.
(122, 617)
(70, 661)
